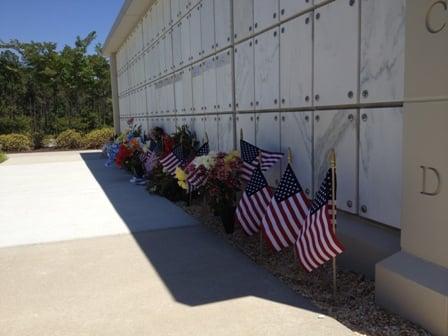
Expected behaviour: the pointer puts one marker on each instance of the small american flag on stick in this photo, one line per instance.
(173, 160)
(252, 157)
(286, 213)
(198, 177)
(253, 203)
(317, 242)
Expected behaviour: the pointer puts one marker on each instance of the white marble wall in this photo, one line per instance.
(290, 73)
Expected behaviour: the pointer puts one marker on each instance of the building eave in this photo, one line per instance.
(131, 12)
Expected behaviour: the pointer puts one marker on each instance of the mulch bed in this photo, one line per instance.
(355, 302)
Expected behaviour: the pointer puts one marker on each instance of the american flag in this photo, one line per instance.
(150, 161)
(317, 242)
(253, 203)
(250, 156)
(173, 160)
(198, 177)
(286, 213)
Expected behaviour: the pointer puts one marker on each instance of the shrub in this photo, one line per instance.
(2, 157)
(15, 142)
(38, 138)
(98, 138)
(69, 139)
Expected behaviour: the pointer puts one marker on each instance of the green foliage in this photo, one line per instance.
(165, 185)
(98, 138)
(69, 139)
(37, 139)
(15, 142)
(3, 157)
(17, 124)
(48, 91)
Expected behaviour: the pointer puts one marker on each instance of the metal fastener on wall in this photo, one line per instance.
(364, 208)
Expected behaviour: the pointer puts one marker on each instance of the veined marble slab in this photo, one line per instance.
(244, 75)
(382, 50)
(337, 130)
(223, 64)
(243, 18)
(225, 133)
(246, 123)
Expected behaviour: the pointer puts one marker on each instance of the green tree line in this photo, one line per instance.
(44, 90)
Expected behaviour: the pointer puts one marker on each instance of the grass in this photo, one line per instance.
(3, 157)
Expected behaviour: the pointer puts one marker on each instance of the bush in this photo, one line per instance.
(38, 139)
(15, 142)
(18, 124)
(98, 138)
(2, 157)
(69, 139)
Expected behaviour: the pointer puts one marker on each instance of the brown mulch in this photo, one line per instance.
(355, 301)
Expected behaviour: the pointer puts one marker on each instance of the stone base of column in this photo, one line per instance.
(414, 288)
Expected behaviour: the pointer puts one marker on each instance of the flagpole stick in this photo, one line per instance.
(333, 214)
(261, 229)
(290, 162)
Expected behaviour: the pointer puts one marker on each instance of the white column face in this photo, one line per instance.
(382, 50)
(243, 18)
(178, 92)
(223, 23)
(290, 8)
(296, 62)
(223, 65)
(337, 130)
(188, 91)
(336, 53)
(265, 14)
(380, 164)
(296, 132)
(244, 76)
(267, 137)
(267, 77)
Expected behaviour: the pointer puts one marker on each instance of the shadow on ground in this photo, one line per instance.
(196, 265)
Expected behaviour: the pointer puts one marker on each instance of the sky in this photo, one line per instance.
(57, 21)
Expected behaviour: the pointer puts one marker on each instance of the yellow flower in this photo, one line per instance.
(180, 175)
(231, 156)
(182, 184)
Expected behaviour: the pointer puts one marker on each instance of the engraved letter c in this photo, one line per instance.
(429, 26)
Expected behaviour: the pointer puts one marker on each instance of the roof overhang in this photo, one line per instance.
(131, 12)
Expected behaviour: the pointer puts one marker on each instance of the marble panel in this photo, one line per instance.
(223, 64)
(245, 123)
(296, 59)
(267, 74)
(174, 10)
(382, 50)
(223, 23)
(290, 8)
(244, 75)
(209, 78)
(178, 92)
(380, 164)
(198, 87)
(195, 34)
(211, 129)
(188, 91)
(177, 46)
(243, 18)
(226, 132)
(336, 53)
(166, 14)
(185, 36)
(267, 137)
(207, 27)
(296, 132)
(265, 14)
(337, 130)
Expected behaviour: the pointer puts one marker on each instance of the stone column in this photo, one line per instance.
(414, 282)
(114, 84)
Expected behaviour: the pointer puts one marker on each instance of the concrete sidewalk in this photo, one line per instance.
(169, 276)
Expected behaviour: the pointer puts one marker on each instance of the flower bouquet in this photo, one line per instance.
(223, 182)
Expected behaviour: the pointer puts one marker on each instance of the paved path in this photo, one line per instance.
(83, 252)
